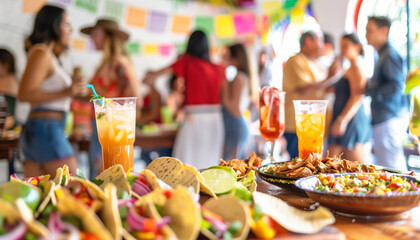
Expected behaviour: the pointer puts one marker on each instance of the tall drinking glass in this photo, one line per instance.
(271, 118)
(116, 124)
(310, 126)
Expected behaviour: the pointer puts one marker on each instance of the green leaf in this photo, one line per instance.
(248, 179)
(258, 213)
(2, 230)
(205, 224)
(63, 180)
(124, 195)
(94, 97)
(123, 212)
(73, 221)
(131, 179)
(228, 236)
(234, 227)
(97, 181)
(29, 236)
(100, 115)
(79, 173)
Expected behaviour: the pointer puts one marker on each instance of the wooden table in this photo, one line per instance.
(161, 139)
(404, 226)
(8, 146)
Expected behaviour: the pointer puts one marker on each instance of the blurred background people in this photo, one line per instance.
(8, 88)
(176, 98)
(236, 99)
(328, 53)
(304, 78)
(152, 104)
(49, 89)
(264, 69)
(199, 140)
(350, 128)
(114, 76)
(389, 104)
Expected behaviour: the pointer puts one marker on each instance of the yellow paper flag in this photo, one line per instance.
(224, 26)
(151, 49)
(297, 16)
(136, 17)
(79, 44)
(181, 24)
(270, 7)
(32, 6)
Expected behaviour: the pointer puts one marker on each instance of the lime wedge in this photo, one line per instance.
(219, 180)
(227, 169)
(241, 192)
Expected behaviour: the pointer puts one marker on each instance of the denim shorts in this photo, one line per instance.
(43, 140)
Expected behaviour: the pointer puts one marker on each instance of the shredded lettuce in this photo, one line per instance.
(79, 173)
(248, 179)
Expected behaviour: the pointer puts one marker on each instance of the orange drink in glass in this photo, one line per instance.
(271, 117)
(310, 126)
(116, 124)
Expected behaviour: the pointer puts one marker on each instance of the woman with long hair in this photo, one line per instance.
(236, 98)
(114, 76)
(350, 123)
(49, 89)
(199, 140)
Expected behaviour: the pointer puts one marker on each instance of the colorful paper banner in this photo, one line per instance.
(88, 5)
(180, 48)
(181, 24)
(270, 7)
(133, 47)
(151, 49)
(204, 24)
(157, 21)
(244, 23)
(165, 50)
(224, 26)
(32, 6)
(136, 17)
(114, 9)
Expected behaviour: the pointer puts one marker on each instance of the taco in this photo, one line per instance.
(225, 218)
(71, 219)
(17, 222)
(62, 176)
(86, 192)
(46, 186)
(173, 172)
(137, 184)
(134, 221)
(178, 204)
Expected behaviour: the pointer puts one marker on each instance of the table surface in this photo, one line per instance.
(404, 226)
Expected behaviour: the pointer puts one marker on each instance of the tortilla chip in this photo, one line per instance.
(166, 168)
(203, 186)
(116, 176)
(184, 213)
(186, 178)
(8, 211)
(69, 205)
(60, 174)
(151, 179)
(110, 214)
(230, 209)
(47, 196)
(291, 218)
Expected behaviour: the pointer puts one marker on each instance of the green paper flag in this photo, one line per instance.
(114, 9)
(289, 4)
(204, 24)
(133, 48)
(180, 48)
(88, 5)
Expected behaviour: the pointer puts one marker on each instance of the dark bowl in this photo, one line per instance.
(281, 181)
(362, 205)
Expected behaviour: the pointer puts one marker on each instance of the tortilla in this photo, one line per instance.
(110, 214)
(116, 176)
(203, 186)
(94, 190)
(166, 168)
(48, 188)
(62, 176)
(230, 209)
(291, 218)
(184, 213)
(151, 179)
(67, 204)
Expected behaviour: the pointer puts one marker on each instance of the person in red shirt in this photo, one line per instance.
(199, 141)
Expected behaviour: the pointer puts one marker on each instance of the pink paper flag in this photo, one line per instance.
(244, 23)
(165, 50)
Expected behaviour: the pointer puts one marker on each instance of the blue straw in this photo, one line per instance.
(94, 92)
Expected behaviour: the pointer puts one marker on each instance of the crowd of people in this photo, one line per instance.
(208, 103)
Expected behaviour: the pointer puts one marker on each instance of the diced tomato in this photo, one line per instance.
(87, 236)
(384, 176)
(150, 225)
(394, 185)
(143, 180)
(167, 193)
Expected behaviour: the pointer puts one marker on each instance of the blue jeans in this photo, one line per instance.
(292, 144)
(236, 136)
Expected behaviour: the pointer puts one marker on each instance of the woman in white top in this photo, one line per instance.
(49, 89)
(236, 98)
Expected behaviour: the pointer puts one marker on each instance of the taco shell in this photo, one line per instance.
(151, 179)
(62, 176)
(116, 176)
(109, 214)
(47, 196)
(230, 209)
(291, 218)
(67, 204)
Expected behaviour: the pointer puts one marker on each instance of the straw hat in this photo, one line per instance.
(108, 25)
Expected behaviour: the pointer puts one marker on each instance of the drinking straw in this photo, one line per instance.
(94, 92)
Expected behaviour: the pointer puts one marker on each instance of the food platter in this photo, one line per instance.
(361, 205)
(281, 181)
